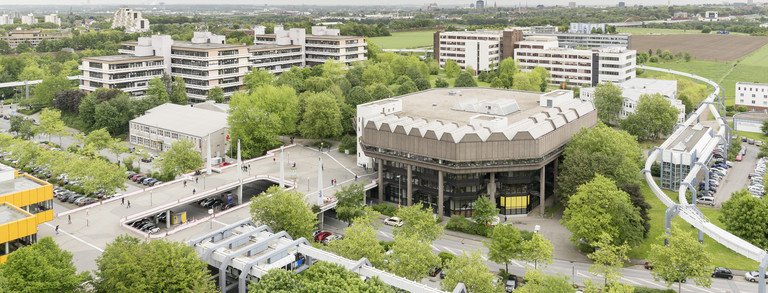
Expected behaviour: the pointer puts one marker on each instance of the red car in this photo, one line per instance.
(322, 235)
(135, 177)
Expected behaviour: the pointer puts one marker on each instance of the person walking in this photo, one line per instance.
(129, 204)
(185, 183)
(193, 191)
(69, 218)
(122, 201)
(57, 229)
(196, 178)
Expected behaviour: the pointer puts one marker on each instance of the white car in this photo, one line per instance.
(393, 221)
(707, 200)
(752, 276)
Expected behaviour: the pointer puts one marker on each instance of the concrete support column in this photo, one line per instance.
(168, 219)
(542, 196)
(409, 185)
(492, 188)
(440, 194)
(380, 163)
(554, 169)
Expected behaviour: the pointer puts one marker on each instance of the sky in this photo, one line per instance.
(365, 2)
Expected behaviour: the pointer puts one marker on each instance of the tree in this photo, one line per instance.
(23, 128)
(280, 102)
(537, 282)
(471, 270)
(130, 264)
(465, 79)
(68, 100)
(358, 95)
(350, 202)
(411, 257)
(40, 267)
(682, 258)
(527, 81)
(452, 68)
(706, 30)
(746, 216)
(612, 153)
(764, 128)
(179, 159)
(484, 211)
(608, 102)
(51, 124)
(284, 210)
(441, 83)
(256, 78)
(44, 92)
(320, 277)
(608, 258)
(537, 250)
(98, 139)
(418, 222)
(322, 117)
(216, 94)
(543, 77)
(505, 244)
(178, 91)
(156, 91)
(507, 67)
(654, 117)
(359, 241)
(598, 206)
(379, 91)
(255, 128)
(377, 73)
(407, 88)
(422, 83)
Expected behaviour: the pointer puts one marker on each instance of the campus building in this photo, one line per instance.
(32, 37)
(581, 40)
(276, 58)
(29, 19)
(6, 19)
(573, 67)
(586, 28)
(128, 73)
(479, 50)
(163, 125)
(130, 20)
(750, 121)
(53, 18)
(25, 202)
(680, 156)
(444, 148)
(321, 45)
(754, 96)
(635, 88)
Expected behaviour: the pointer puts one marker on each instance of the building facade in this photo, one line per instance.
(130, 74)
(6, 19)
(130, 20)
(163, 125)
(31, 37)
(25, 202)
(443, 148)
(586, 28)
(276, 58)
(679, 157)
(29, 19)
(635, 88)
(53, 18)
(479, 50)
(582, 41)
(750, 121)
(321, 45)
(754, 96)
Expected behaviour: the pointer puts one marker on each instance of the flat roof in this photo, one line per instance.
(272, 46)
(122, 58)
(205, 46)
(751, 83)
(184, 119)
(636, 87)
(20, 183)
(757, 116)
(331, 37)
(9, 214)
(688, 139)
(437, 104)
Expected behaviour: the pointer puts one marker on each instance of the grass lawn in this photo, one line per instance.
(404, 40)
(721, 255)
(752, 135)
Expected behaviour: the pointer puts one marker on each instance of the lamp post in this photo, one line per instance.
(399, 192)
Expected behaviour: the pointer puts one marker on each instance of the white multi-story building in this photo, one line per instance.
(276, 58)
(28, 19)
(130, 20)
(582, 68)
(585, 28)
(130, 74)
(6, 19)
(53, 18)
(579, 40)
(323, 44)
(754, 96)
(635, 88)
(710, 16)
(480, 50)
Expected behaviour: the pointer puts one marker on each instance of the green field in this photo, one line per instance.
(404, 40)
(751, 68)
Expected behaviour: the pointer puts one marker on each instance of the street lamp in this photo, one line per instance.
(399, 192)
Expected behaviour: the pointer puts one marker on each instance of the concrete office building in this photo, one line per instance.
(580, 41)
(445, 147)
(163, 125)
(25, 202)
(679, 157)
(281, 53)
(585, 28)
(321, 45)
(6, 19)
(480, 4)
(573, 67)
(130, 74)
(480, 50)
(29, 19)
(634, 88)
(752, 95)
(750, 121)
(53, 18)
(32, 37)
(130, 20)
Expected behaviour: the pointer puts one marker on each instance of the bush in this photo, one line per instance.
(464, 225)
(385, 209)
(348, 142)
(445, 257)
(386, 245)
(652, 290)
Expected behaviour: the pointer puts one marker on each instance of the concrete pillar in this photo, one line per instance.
(381, 179)
(492, 188)
(282, 167)
(239, 192)
(440, 194)
(209, 159)
(409, 185)
(554, 179)
(320, 181)
(542, 196)
(168, 219)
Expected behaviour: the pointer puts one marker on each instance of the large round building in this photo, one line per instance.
(445, 147)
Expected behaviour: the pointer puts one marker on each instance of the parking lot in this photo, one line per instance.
(738, 176)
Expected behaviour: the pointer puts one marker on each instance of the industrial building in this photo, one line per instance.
(25, 202)
(443, 148)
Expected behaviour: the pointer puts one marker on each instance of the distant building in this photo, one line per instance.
(587, 40)
(28, 19)
(32, 37)
(754, 96)
(585, 28)
(572, 4)
(163, 125)
(710, 16)
(634, 88)
(480, 50)
(622, 4)
(480, 4)
(25, 203)
(321, 45)
(680, 15)
(130, 74)
(276, 58)
(679, 157)
(53, 18)
(750, 121)
(6, 19)
(130, 20)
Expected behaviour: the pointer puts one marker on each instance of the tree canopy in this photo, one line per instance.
(505, 244)
(350, 202)
(654, 117)
(322, 117)
(216, 94)
(284, 210)
(471, 270)
(608, 101)
(40, 267)
(538, 282)
(484, 210)
(255, 128)
(257, 78)
(746, 216)
(683, 258)
(179, 159)
(452, 68)
(411, 257)
(359, 241)
(465, 79)
(320, 277)
(418, 222)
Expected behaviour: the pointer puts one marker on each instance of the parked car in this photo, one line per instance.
(511, 284)
(723, 273)
(333, 237)
(322, 235)
(393, 221)
(738, 158)
(753, 276)
(707, 200)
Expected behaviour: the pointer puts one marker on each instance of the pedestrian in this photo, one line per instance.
(69, 218)
(122, 201)
(57, 229)
(274, 160)
(355, 177)
(196, 178)
(193, 191)
(294, 164)
(185, 183)
(129, 204)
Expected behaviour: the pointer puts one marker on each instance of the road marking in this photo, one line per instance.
(449, 250)
(517, 263)
(651, 283)
(697, 289)
(219, 222)
(340, 164)
(76, 238)
(629, 280)
(583, 275)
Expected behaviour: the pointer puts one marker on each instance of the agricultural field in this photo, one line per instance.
(637, 31)
(404, 40)
(701, 46)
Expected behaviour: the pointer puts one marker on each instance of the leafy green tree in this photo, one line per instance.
(216, 94)
(683, 258)
(98, 139)
(23, 128)
(422, 83)
(320, 277)
(471, 270)
(599, 206)
(451, 68)
(505, 244)
(278, 101)
(441, 83)
(32, 72)
(527, 81)
(601, 149)
(406, 88)
(608, 258)
(358, 95)
(350, 203)
(418, 222)
(284, 210)
(538, 282)
(764, 128)
(747, 217)
(537, 250)
(359, 241)
(51, 123)
(130, 264)
(465, 79)
(411, 257)
(157, 91)
(377, 73)
(256, 78)
(543, 77)
(484, 210)
(179, 159)
(654, 117)
(178, 91)
(507, 66)
(608, 102)
(322, 117)
(43, 93)
(379, 91)
(40, 267)
(255, 128)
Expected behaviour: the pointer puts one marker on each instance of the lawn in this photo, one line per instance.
(404, 40)
(721, 255)
(752, 135)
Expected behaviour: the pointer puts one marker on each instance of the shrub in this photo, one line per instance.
(386, 245)
(385, 209)
(461, 224)
(445, 257)
(348, 142)
(652, 290)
